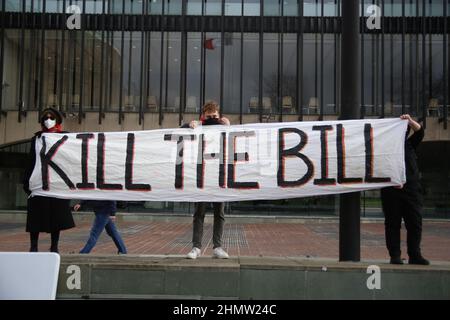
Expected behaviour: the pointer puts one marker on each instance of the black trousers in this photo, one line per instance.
(403, 204)
(199, 218)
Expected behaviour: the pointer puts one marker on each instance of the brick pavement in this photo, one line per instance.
(311, 238)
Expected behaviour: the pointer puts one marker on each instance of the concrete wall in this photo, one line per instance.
(11, 130)
(245, 278)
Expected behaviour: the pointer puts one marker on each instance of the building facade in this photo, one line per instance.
(112, 65)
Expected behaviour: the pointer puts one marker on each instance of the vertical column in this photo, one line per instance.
(349, 211)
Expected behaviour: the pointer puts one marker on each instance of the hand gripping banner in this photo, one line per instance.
(222, 163)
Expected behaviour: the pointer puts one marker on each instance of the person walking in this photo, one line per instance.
(105, 215)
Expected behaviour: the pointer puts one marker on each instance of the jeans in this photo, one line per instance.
(103, 221)
(199, 217)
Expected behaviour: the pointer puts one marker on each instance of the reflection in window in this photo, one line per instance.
(310, 74)
(290, 8)
(193, 75)
(250, 85)
(172, 61)
(252, 8)
(131, 71)
(232, 69)
(194, 7)
(270, 73)
(289, 78)
(212, 66)
(272, 8)
(233, 7)
(55, 6)
(173, 7)
(311, 8)
(114, 58)
(153, 73)
(329, 106)
(213, 7)
(155, 7)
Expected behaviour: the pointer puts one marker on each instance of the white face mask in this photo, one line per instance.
(49, 123)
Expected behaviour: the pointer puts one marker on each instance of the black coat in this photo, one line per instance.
(411, 192)
(45, 214)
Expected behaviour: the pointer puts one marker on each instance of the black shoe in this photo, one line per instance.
(55, 250)
(396, 260)
(33, 249)
(419, 260)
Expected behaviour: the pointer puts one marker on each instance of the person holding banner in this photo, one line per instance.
(46, 214)
(210, 116)
(105, 214)
(405, 202)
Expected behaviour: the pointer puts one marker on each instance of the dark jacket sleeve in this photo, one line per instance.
(83, 204)
(30, 167)
(417, 137)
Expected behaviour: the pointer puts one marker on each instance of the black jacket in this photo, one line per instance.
(412, 168)
(45, 214)
(101, 206)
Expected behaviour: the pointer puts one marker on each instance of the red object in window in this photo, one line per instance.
(210, 44)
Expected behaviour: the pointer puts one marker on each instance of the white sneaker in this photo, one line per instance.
(195, 252)
(220, 253)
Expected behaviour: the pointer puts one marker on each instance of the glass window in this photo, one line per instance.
(328, 64)
(233, 7)
(56, 6)
(213, 7)
(437, 78)
(250, 85)
(289, 79)
(173, 7)
(13, 6)
(272, 8)
(154, 72)
(290, 8)
(436, 8)
(310, 74)
(172, 65)
(368, 64)
(212, 66)
(311, 8)
(397, 72)
(133, 7)
(194, 7)
(155, 7)
(270, 101)
(10, 69)
(131, 71)
(252, 8)
(232, 73)
(329, 8)
(435, 177)
(95, 6)
(113, 60)
(193, 72)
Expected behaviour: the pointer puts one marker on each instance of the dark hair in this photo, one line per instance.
(52, 111)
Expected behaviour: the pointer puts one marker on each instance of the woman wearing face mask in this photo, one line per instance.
(46, 214)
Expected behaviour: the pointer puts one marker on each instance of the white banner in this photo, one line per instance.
(222, 163)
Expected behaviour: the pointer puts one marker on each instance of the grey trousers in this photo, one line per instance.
(199, 217)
